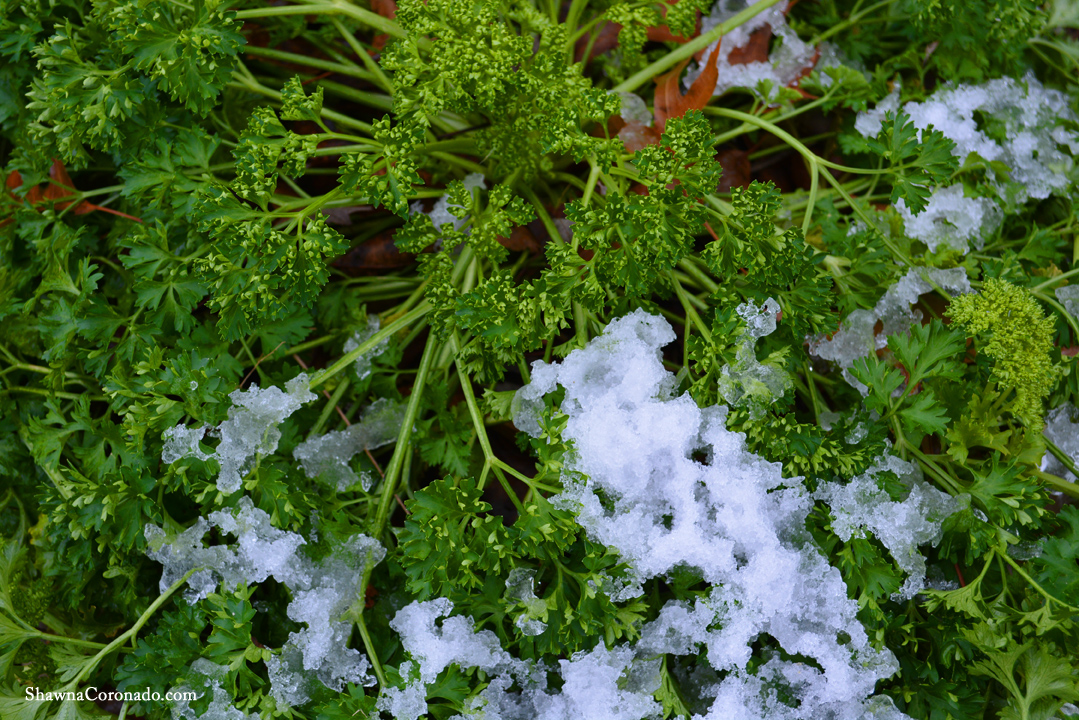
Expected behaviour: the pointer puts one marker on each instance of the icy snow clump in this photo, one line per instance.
(790, 59)
(220, 708)
(734, 519)
(250, 430)
(327, 456)
(856, 337)
(1063, 430)
(599, 684)
(748, 381)
(321, 592)
(520, 586)
(1068, 295)
(1032, 132)
(900, 526)
(362, 366)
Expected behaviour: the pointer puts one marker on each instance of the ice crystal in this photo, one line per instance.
(250, 430)
(329, 456)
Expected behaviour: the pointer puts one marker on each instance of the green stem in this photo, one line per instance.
(1051, 302)
(338, 393)
(1041, 591)
(1059, 484)
(404, 437)
(378, 101)
(308, 61)
(246, 82)
(691, 313)
(366, 346)
(1060, 455)
(368, 62)
(852, 20)
(131, 632)
(371, 19)
(369, 646)
(934, 469)
(590, 184)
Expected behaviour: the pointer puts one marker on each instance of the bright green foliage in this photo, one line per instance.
(1059, 560)
(921, 158)
(1038, 680)
(975, 40)
(777, 265)
(637, 238)
(255, 272)
(804, 448)
(902, 391)
(99, 83)
(1012, 330)
(450, 546)
(346, 707)
(1007, 498)
(477, 58)
(162, 656)
(489, 222)
(453, 547)
(297, 105)
(186, 49)
(199, 197)
(387, 180)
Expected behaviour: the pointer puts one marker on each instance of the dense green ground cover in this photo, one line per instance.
(392, 212)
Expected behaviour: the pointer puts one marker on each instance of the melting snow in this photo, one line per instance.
(250, 430)
(734, 519)
(1038, 152)
(856, 338)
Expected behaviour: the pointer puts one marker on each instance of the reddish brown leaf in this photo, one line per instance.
(756, 50)
(606, 39)
(671, 103)
(663, 33)
(385, 8)
(521, 239)
(636, 136)
(372, 256)
(736, 169)
(61, 186)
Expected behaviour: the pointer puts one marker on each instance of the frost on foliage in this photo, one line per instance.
(520, 587)
(788, 61)
(328, 456)
(321, 592)
(250, 430)
(362, 365)
(856, 337)
(634, 109)
(328, 590)
(951, 218)
(220, 708)
(435, 648)
(733, 518)
(902, 526)
(1062, 428)
(1068, 296)
(748, 381)
(182, 441)
(1030, 139)
(440, 214)
(600, 684)
(261, 550)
